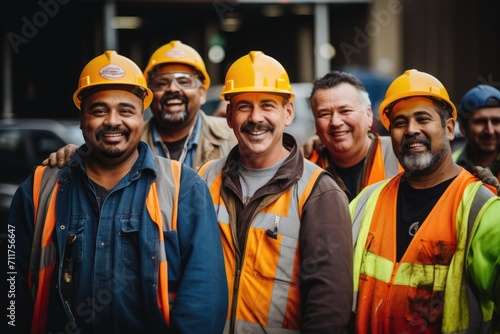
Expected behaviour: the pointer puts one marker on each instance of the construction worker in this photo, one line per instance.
(179, 129)
(479, 120)
(354, 155)
(427, 254)
(102, 244)
(284, 222)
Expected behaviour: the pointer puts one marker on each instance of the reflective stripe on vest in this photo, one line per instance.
(161, 204)
(43, 251)
(409, 295)
(267, 291)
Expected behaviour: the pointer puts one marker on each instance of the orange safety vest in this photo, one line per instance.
(382, 166)
(264, 292)
(411, 294)
(43, 254)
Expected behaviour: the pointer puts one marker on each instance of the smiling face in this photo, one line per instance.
(482, 130)
(258, 121)
(343, 121)
(176, 104)
(420, 138)
(111, 123)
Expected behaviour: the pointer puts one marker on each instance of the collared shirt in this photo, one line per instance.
(189, 150)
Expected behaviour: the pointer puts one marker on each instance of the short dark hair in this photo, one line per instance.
(335, 78)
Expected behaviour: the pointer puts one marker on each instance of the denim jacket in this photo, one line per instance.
(111, 255)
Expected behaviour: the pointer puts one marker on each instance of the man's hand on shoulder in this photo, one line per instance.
(61, 157)
(311, 144)
(485, 175)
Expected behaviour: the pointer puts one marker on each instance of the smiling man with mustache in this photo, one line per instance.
(284, 222)
(179, 129)
(105, 244)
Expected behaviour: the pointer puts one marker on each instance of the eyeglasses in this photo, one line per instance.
(181, 80)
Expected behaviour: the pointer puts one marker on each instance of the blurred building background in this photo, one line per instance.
(46, 43)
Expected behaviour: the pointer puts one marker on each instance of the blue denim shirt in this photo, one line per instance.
(190, 146)
(114, 254)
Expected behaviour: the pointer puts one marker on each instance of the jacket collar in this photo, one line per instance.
(289, 173)
(145, 161)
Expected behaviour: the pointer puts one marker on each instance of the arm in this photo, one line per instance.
(61, 157)
(326, 255)
(15, 253)
(483, 260)
(313, 143)
(202, 297)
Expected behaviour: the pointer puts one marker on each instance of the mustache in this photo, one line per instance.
(170, 96)
(407, 141)
(252, 127)
(100, 133)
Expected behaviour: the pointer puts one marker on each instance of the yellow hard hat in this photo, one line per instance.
(409, 84)
(256, 72)
(110, 68)
(178, 53)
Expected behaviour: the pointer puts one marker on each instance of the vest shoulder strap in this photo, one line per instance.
(312, 173)
(391, 163)
(483, 194)
(44, 181)
(358, 206)
(168, 200)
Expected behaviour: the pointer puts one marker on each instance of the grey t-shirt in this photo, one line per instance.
(252, 179)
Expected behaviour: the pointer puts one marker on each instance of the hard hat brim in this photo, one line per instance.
(386, 103)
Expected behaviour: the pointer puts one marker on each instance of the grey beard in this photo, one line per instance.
(422, 163)
(178, 118)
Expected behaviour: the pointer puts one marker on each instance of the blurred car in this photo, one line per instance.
(302, 127)
(25, 143)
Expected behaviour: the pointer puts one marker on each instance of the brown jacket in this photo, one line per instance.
(325, 238)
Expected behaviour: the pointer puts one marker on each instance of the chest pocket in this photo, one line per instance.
(426, 297)
(76, 236)
(129, 237)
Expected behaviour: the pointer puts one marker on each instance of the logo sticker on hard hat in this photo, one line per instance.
(112, 72)
(175, 53)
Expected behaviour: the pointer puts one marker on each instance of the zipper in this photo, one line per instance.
(232, 323)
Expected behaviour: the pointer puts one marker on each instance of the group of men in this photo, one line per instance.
(370, 234)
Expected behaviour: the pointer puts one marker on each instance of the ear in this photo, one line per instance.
(369, 113)
(289, 113)
(203, 95)
(450, 127)
(229, 115)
